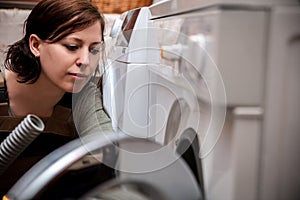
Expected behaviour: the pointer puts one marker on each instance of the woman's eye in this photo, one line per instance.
(71, 47)
(94, 51)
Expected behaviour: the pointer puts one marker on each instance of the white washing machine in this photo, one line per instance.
(211, 84)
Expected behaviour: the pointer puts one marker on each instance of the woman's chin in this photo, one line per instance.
(76, 89)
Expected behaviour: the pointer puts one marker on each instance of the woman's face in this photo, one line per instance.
(69, 63)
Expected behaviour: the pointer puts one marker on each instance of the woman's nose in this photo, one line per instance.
(83, 58)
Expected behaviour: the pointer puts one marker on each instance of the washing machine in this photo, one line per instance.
(151, 95)
(210, 88)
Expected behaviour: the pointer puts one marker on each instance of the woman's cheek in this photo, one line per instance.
(94, 62)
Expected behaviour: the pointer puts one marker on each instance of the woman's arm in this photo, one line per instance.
(88, 112)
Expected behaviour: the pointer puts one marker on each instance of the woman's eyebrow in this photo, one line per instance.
(81, 41)
(96, 43)
(74, 39)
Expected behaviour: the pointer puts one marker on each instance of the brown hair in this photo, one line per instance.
(50, 20)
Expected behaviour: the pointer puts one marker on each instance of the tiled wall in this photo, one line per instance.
(11, 27)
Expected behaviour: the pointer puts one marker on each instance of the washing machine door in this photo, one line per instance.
(99, 166)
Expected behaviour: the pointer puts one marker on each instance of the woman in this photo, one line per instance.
(58, 55)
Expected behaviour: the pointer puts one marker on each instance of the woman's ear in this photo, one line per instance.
(34, 45)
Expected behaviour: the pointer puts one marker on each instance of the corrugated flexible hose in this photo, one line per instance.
(17, 141)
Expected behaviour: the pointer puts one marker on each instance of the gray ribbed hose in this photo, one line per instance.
(17, 141)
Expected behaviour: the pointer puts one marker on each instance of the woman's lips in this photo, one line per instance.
(78, 76)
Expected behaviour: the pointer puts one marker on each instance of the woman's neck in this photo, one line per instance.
(38, 98)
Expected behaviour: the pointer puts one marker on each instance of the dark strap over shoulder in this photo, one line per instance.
(1, 79)
(3, 92)
(3, 95)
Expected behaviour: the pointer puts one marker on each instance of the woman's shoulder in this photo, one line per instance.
(1, 78)
(90, 91)
(89, 95)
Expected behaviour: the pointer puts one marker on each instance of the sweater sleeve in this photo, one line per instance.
(88, 113)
